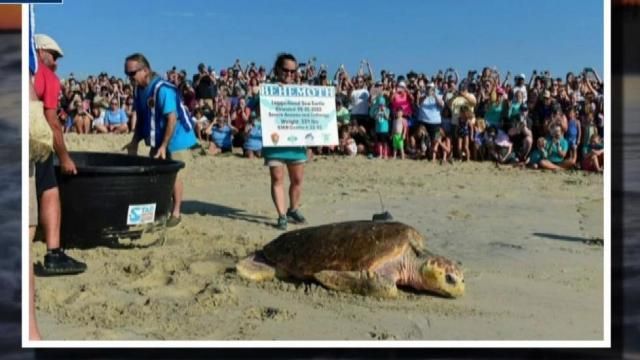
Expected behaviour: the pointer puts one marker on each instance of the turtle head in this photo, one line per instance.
(442, 276)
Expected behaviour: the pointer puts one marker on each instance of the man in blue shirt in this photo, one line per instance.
(163, 122)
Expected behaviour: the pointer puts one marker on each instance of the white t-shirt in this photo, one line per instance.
(522, 88)
(360, 102)
(98, 120)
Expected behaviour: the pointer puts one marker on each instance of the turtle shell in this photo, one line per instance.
(346, 246)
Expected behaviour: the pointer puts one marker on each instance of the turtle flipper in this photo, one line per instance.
(255, 268)
(359, 282)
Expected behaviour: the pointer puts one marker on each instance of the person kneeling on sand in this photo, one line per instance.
(536, 155)
(594, 159)
(221, 133)
(557, 148)
(253, 135)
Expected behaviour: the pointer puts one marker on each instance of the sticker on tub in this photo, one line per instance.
(141, 214)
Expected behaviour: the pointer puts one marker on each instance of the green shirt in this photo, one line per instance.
(343, 116)
(553, 150)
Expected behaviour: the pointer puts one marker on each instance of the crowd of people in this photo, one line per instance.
(547, 122)
(539, 121)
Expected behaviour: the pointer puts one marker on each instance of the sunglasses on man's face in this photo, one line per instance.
(54, 54)
(132, 73)
(288, 71)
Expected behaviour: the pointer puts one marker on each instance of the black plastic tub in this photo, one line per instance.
(114, 196)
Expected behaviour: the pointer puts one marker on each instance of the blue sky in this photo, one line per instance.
(515, 35)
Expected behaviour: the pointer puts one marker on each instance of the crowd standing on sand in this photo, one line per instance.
(550, 123)
(538, 121)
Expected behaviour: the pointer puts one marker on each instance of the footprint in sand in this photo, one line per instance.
(458, 215)
(266, 313)
(591, 221)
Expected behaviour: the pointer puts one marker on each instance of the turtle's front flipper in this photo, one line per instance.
(255, 268)
(359, 282)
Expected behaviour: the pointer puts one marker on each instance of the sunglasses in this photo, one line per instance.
(132, 73)
(54, 54)
(288, 71)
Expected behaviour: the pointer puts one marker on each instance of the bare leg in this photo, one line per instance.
(102, 129)
(546, 164)
(50, 217)
(199, 131)
(296, 175)
(277, 188)
(178, 190)
(121, 129)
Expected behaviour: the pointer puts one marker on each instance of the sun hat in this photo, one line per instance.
(45, 42)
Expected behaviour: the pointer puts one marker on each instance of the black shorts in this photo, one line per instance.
(432, 129)
(45, 176)
(383, 137)
(364, 120)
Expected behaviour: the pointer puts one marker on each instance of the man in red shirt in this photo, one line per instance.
(47, 89)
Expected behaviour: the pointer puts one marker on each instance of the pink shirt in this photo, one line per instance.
(401, 101)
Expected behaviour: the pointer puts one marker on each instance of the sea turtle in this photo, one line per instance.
(363, 257)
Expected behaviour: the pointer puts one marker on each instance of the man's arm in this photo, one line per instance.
(67, 164)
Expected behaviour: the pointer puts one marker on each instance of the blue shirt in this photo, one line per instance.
(254, 138)
(572, 132)
(222, 136)
(429, 111)
(153, 104)
(536, 156)
(117, 117)
(382, 121)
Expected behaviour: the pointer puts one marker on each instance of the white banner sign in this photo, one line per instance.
(298, 115)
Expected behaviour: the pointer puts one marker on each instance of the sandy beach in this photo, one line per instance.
(530, 243)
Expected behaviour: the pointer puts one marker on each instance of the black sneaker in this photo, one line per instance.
(59, 263)
(282, 223)
(296, 216)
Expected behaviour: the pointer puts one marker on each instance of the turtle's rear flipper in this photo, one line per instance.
(255, 268)
(359, 282)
